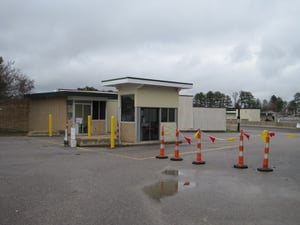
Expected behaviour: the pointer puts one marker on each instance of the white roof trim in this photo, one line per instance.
(144, 81)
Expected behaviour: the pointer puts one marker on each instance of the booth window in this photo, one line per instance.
(99, 110)
(127, 108)
(168, 115)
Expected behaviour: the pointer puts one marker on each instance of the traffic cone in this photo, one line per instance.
(199, 160)
(162, 145)
(240, 164)
(176, 152)
(265, 165)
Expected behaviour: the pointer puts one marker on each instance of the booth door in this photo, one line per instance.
(149, 124)
(82, 110)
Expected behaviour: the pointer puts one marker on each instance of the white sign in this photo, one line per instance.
(298, 125)
(79, 120)
(73, 133)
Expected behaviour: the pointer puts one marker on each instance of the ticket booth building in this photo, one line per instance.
(71, 108)
(144, 106)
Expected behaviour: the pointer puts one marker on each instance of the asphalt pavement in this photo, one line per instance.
(43, 182)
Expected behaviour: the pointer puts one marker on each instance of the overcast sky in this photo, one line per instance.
(227, 46)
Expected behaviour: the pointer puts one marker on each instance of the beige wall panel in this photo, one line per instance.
(210, 119)
(185, 113)
(127, 132)
(157, 97)
(112, 110)
(40, 109)
(170, 131)
(98, 127)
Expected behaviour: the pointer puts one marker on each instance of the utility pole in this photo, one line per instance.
(238, 119)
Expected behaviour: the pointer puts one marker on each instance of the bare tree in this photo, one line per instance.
(13, 83)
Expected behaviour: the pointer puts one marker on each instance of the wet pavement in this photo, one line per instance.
(42, 182)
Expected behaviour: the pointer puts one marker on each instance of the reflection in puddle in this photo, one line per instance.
(171, 172)
(166, 188)
(161, 189)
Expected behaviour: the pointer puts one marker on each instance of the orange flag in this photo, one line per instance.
(188, 140)
(247, 135)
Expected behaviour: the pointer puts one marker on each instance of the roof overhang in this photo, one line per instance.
(73, 93)
(139, 82)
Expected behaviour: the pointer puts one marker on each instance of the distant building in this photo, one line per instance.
(245, 114)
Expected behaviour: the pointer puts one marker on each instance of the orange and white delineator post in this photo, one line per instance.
(265, 165)
(117, 133)
(162, 145)
(176, 152)
(199, 160)
(240, 164)
(66, 143)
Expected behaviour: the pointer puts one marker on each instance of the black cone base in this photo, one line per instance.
(264, 169)
(237, 166)
(176, 159)
(161, 157)
(198, 162)
(66, 143)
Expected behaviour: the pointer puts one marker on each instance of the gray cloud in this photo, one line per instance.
(227, 46)
(241, 53)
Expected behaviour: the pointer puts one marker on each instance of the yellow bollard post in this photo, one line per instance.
(112, 132)
(50, 124)
(89, 126)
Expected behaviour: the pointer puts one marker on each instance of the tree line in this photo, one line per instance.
(246, 100)
(14, 83)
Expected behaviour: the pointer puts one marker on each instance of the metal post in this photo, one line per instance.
(112, 132)
(238, 119)
(50, 125)
(89, 126)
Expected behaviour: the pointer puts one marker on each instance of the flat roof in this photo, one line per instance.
(145, 81)
(71, 92)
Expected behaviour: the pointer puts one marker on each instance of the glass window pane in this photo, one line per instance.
(95, 110)
(164, 115)
(102, 110)
(171, 115)
(127, 108)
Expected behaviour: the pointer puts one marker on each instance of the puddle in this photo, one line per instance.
(166, 188)
(161, 189)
